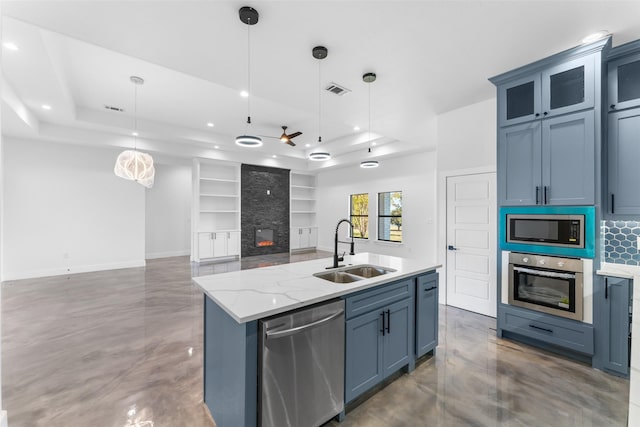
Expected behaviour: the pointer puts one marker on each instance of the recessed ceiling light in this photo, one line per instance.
(244, 94)
(274, 156)
(134, 133)
(307, 145)
(10, 46)
(595, 36)
(210, 124)
(356, 128)
(374, 143)
(216, 146)
(46, 107)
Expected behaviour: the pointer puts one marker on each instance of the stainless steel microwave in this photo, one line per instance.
(560, 230)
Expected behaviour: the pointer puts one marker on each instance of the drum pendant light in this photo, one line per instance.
(319, 52)
(249, 16)
(369, 78)
(133, 164)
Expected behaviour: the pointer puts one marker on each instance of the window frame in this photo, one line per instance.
(378, 216)
(367, 216)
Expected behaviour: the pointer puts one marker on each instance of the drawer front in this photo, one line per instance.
(372, 299)
(428, 280)
(575, 336)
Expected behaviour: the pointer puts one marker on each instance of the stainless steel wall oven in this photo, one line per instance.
(548, 284)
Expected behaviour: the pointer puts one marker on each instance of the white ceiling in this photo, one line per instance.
(430, 57)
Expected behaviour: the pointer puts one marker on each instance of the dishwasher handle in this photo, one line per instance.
(297, 329)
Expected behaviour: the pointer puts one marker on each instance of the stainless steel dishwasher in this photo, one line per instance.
(302, 366)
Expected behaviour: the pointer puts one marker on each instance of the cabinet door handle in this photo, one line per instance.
(382, 330)
(537, 195)
(613, 203)
(606, 288)
(542, 329)
(537, 114)
(545, 194)
(388, 321)
(545, 113)
(430, 289)
(613, 106)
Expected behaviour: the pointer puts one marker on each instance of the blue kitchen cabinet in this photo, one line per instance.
(378, 335)
(548, 162)
(623, 173)
(624, 77)
(426, 314)
(556, 89)
(612, 316)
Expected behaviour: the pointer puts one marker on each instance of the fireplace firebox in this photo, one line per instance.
(264, 237)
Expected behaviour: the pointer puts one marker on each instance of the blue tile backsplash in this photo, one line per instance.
(620, 242)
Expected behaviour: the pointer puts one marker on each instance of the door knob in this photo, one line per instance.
(452, 248)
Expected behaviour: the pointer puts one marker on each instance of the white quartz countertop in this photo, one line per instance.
(619, 270)
(248, 295)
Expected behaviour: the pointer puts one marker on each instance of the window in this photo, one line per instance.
(390, 216)
(359, 215)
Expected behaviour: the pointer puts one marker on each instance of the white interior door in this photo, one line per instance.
(471, 243)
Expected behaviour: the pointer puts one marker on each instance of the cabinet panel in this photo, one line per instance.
(219, 244)
(568, 87)
(233, 243)
(205, 245)
(612, 329)
(568, 159)
(304, 237)
(519, 158)
(363, 357)
(624, 83)
(426, 314)
(623, 156)
(313, 237)
(397, 336)
(519, 100)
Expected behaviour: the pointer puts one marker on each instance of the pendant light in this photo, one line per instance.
(133, 164)
(369, 78)
(319, 52)
(249, 16)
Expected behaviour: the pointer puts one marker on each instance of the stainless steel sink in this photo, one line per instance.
(338, 277)
(352, 274)
(368, 271)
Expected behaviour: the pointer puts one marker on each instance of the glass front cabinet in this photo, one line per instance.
(624, 83)
(559, 89)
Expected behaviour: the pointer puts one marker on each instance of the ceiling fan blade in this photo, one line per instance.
(293, 135)
(291, 143)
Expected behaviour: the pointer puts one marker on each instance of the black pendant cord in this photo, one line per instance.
(319, 105)
(369, 84)
(248, 76)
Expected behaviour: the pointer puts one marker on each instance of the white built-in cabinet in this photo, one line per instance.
(216, 212)
(304, 229)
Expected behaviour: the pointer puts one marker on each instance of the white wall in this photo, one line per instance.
(414, 175)
(466, 145)
(66, 212)
(168, 212)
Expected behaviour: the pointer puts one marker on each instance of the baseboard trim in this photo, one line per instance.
(169, 254)
(71, 270)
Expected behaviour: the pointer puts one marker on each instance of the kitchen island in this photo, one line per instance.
(236, 301)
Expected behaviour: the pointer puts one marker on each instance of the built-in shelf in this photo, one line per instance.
(216, 212)
(304, 232)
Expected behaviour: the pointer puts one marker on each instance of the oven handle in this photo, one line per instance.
(545, 273)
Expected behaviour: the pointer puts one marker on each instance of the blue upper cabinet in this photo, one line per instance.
(560, 89)
(549, 129)
(623, 150)
(624, 77)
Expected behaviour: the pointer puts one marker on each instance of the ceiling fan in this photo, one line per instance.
(286, 138)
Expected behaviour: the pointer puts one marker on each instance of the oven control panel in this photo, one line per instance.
(546, 261)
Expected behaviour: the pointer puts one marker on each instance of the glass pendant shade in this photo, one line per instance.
(248, 141)
(319, 156)
(369, 164)
(135, 166)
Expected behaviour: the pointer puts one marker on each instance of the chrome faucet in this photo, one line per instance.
(336, 258)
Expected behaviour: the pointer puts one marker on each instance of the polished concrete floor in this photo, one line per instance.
(124, 348)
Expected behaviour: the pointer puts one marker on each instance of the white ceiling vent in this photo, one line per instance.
(112, 108)
(336, 89)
